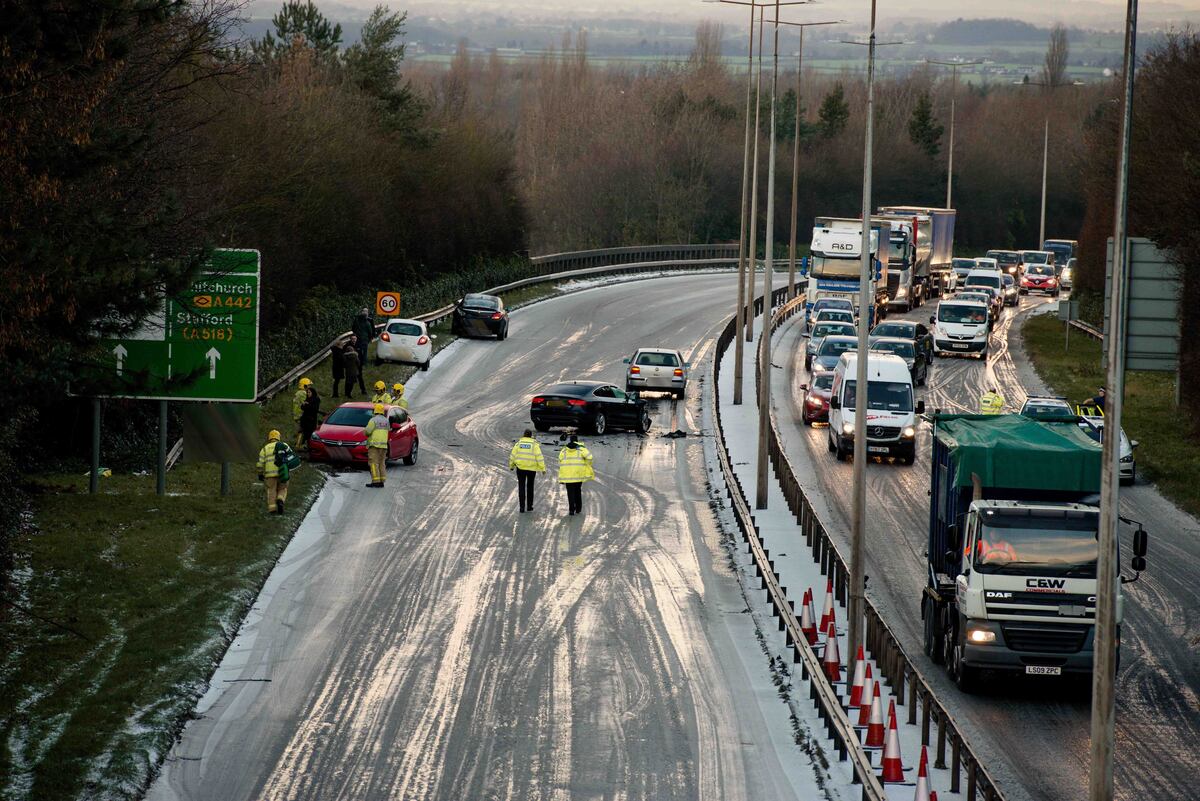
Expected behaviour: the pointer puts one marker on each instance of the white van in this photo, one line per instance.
(960, 326)
(891, 408)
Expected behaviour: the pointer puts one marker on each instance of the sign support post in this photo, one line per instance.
(161, 486)
(94, 478)
(224, 478)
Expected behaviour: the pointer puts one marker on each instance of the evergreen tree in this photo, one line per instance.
(834, 112)
(923, 129)
(373, 63)
(303, 21)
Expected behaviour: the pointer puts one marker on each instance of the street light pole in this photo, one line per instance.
(953, 65)
(764, 343)
(1045, 157)
(754, 189)
(739, 347)
(1104, 669)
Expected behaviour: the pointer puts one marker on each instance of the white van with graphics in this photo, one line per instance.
(960, 326)
(891, 408)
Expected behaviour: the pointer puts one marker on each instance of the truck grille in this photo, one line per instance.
(1044, 638)
(882, 432)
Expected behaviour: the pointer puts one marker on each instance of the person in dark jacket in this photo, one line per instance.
(310, 412)
(363, 327)
(336, 366)
(352, 367)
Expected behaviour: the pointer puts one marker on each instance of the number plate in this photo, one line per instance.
(959, 345)
(1042, 670)
(877, 449)
(556, 403)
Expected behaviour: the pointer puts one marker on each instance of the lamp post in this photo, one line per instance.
(1104, 666)
(1045, 157)
(953, 65)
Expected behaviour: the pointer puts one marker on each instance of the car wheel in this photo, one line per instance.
(411, 459)
(933, 638)
(643, 425)
(425, 366)
(808, 365)
(599, 423)
(679, 394)
(804, 419)
(829, 442)
(840, 451)
(543, 427)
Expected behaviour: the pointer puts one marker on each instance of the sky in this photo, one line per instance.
(1099, 14)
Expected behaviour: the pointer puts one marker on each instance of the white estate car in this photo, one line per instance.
(658, 370)
(407, 341)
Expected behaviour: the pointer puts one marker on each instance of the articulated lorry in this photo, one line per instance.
(1013, 544)
(835, 263)
(919, 267)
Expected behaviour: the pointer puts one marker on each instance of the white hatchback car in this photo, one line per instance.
(658, 370)
(407, 341)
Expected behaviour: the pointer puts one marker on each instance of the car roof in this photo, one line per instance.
(897, 340)
(963, 301)
(1046, 252)
(876, 362)
(1046, 400)
(988, 273)
(657, 350)
(841, 338)
(835, 300)
(404, 320)
(913, 323)
(575, 387)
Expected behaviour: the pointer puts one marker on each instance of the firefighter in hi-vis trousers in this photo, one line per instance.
(377, 445)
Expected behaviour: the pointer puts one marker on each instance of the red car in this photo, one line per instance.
(1039, 278)
(341, 437)
(816, 398)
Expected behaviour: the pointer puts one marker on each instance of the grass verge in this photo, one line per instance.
(1168, 453)
(128, 601)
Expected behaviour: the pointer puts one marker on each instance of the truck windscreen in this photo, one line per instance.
(892, 396)
(1035, 545)
(833, 267)
(898, 250)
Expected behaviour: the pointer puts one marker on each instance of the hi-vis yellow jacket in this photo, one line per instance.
(527, 455)
(991, 403)
(575, 465)
(377, 431)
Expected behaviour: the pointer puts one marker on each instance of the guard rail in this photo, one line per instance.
(894, 663)
(821, 691)
(1091, 330)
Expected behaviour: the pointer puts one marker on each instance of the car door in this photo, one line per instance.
(395, 425)
(406, 434)
(602, 401)
(627, 406)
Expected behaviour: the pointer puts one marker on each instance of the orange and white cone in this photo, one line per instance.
(827, 611)
(856, 686)
(875, 722)
(933, 796)
(893, 769)
(922, 792)
(864, 707)
(807, 626)
(833, 658)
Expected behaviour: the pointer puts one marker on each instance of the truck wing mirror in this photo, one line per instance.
(932, 320)
(920, 407)
(1140, 542)
(835, 402)
(1133, 443)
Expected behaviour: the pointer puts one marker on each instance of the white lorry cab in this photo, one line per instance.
(891, 410)
(960, 326)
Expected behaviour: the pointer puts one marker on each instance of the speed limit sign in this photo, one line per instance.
(387, 303)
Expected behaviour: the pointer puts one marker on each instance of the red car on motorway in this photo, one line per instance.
(816, 398)
(341, 437)
(1039, 278)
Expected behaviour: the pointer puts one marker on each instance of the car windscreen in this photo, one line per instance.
(961, 313)
(978, 297)
(1038, 545)
(1008, 281)
(1047, 411)
(891, 396)
(1035, 257)
(349, 416)
(1004, 256)
(835, 315)
(481, 302)
(658, 359)
(903, 349)
(577, 390)
(823, 381)
(960, 263)
(1040, 269)
(835, 347)
(984, 280)
(404, 329)
(901, 330)
(832, 303)
(827, 329)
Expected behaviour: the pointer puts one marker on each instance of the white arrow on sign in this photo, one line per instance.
(120, 352)
(212, 356)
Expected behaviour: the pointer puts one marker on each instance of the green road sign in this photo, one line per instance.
(203, 343)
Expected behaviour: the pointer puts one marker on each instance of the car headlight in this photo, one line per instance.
(315, 438)
(1127, 459)
(909, 432)
(848, 429)
(980, 636)
(814, 401)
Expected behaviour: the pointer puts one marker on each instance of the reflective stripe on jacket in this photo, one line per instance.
(527, 455)
(297, 403)
(382, 397)
(377, 431)
(575, 465)
(266, 461)
(991, 403)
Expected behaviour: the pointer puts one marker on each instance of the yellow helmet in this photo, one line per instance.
(380, 385)
(379, 408)
(272, 435)
(305, 382)
(398, 388)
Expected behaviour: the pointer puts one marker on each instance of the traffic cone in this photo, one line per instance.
(856, 686)
(922, 792)
(833, 659)
(807, 626)
(827, 611)
(933, 795)
(893, 770)
(875, 721)
(864, 708)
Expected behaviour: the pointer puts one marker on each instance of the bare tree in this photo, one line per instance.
(1054, 69)
(706, 55)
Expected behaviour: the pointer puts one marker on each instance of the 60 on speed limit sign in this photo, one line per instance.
(387, 303)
